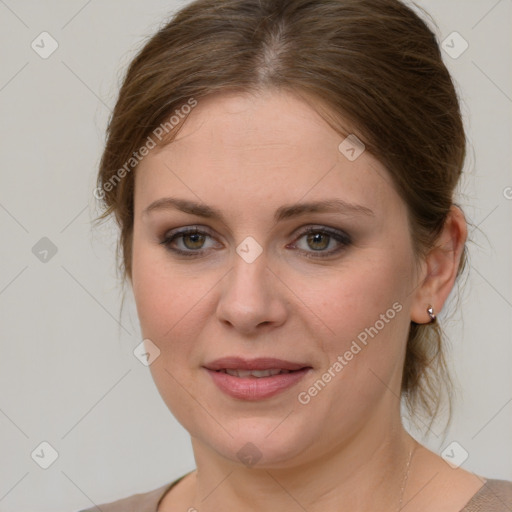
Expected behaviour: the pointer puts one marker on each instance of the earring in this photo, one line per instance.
(430, 311)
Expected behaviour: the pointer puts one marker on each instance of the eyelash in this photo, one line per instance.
(339, 236)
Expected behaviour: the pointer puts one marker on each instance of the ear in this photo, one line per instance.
(440, 268)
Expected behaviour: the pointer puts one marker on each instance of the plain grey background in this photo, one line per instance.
(68, 375)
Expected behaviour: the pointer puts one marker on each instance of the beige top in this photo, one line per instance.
(494, 496)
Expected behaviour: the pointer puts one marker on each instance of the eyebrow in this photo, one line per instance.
(282, 213)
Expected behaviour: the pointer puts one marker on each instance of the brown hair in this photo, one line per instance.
(374, 63)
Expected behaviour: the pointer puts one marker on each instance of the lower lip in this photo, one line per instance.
(256, 388)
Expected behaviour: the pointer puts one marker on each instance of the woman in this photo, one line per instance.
(283, 175)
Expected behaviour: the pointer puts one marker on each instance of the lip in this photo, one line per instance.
(255, 388)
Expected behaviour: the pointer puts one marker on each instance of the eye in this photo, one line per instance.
(190, 241)
(317, 240)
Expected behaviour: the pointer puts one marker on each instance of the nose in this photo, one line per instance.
(252, 297)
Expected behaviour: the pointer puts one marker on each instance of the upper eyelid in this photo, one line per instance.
(296, 232)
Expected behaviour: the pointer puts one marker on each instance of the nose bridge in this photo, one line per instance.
(248, 282)
(249, 295)
(250, 263)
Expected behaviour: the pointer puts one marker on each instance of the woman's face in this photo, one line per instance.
(332, 305)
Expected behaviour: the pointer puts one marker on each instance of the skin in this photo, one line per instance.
(247, 155)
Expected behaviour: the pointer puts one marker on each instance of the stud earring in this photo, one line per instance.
(430, 311)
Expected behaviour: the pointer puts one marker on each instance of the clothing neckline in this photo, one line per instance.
(169, 487)
(469, 503)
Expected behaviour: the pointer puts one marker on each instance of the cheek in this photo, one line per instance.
(356, 297)
(366, 309)
(169, 300)
(148, 290)
(154, 290)
(168, 303)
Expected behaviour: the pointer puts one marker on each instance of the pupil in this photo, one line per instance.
(195, 237)
(316, 238)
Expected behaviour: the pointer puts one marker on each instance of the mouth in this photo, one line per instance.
(255, 379)
(258, 374)
(267, 364)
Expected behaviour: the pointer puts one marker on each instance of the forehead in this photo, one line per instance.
(254, 149)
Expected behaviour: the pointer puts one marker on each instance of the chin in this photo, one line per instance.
(256, 445)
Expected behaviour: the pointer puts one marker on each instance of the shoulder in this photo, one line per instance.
(494, 496)
(142, 502)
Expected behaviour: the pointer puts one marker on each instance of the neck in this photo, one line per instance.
(366, 473)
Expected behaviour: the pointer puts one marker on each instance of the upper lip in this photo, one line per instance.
(261, 363)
